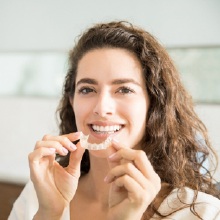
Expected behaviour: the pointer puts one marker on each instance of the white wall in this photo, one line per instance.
(52, 25)
(24, 120)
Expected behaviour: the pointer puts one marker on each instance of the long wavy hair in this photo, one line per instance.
(172, 127)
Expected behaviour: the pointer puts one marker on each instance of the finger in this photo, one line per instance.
(38, 154)
(140, 160)
(138, 157)
(136, 194)
(52, 144)
(37, 157)
(112, 149)
(126, 169)
(73, 136)
(134, 190)
(63, 140)
(75, 161)
(117, 145)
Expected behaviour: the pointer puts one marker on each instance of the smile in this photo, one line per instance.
(106, 129)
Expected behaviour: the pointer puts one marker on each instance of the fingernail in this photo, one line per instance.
(73, 146)
(65, 151)
(106, 179)
(112, 155)
(109, 179)
(79, 133)
(52, 150)
(115, 140)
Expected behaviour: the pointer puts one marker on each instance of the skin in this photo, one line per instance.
(121, 182)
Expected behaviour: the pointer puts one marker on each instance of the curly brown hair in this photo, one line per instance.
(172, 125)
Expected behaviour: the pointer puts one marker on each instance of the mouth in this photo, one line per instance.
(110, 129)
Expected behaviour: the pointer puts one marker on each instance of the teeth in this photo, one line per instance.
(111, 128)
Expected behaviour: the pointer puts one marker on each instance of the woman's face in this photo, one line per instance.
(111, 97)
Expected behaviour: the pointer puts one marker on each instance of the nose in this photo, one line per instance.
(105, 105)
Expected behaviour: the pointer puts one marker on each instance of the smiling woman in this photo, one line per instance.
(121, 84)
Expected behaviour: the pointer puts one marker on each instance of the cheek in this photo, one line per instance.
(139, 110)
(79, 111)
(138, 115)
(82, 110)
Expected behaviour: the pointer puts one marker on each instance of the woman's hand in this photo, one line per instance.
(134, 183)
(55, 186)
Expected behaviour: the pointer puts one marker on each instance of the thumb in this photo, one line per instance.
(113, 149)
(75, 161)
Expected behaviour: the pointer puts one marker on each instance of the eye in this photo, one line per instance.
(125, 90)
(85, 90)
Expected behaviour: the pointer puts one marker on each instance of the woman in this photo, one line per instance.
(121, 84)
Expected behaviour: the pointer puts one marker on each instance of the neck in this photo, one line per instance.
(93, 182)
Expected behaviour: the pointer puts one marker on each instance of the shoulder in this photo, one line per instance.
(26, 204)
(207, 206)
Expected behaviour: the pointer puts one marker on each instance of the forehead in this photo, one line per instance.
(110, 63)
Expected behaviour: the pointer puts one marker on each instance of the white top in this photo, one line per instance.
(208, 207)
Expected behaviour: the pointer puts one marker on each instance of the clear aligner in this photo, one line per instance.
(102, 146)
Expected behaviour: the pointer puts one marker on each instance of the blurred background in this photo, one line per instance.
(35, 37)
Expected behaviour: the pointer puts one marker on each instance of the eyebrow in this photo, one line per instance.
(125, 80)
(114, 82)
(87, 81)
